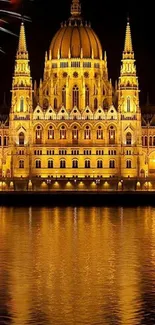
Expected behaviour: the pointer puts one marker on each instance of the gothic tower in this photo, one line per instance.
(129, 111)
(21, 109)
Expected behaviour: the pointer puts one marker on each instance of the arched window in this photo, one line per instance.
(63, 133)
(5, 141)
(145, 141)
(87, 133)
(112, 135)
(128, 138)
(47, 92)
(150, 141)
(62, 163)
(87, 163)
(45, 103)
(21, 138)
(55, 90)
(55, 103)
(112, 164)
(105, 103)
(75, 133)
(64, 96)
(50, 163)
(38, 163)
(0, 140)
(22, 104)
(86, 96)
(99, 164)
(128, 104)
(75, 163)
(76, 96)
(128, 164)
(39, 134)
(21, 163)
(95, 91)
(50, 132)
(99, 134)
(95, 103)
(154, 141)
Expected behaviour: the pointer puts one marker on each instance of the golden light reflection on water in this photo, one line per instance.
(77, 266)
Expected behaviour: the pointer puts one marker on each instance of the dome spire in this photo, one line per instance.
(75, 9)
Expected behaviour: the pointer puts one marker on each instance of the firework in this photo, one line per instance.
(5, 14)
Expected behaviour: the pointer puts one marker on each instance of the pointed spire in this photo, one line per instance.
(58, 55)
(50, 55)
(46, 56)
(128, 40)
(92, 54)
(128, 79)
(22, 40)
(76, 9)
(35, 87)
(69, 53)
(116, 85)
(41, 83)
(81, 54)
(105, 56)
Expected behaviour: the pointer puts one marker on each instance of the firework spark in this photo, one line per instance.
(7, 31)
(1, 50)
(15, 15)
(3, 21)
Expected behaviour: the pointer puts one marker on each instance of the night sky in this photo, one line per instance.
(108, 20)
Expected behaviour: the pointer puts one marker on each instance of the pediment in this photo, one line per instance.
(20, 128)
(129, 128)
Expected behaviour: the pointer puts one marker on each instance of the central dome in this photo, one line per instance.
(76, 39)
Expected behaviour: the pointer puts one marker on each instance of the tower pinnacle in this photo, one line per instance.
(75, 9)
(22, 40)
(22, 75)
(128, 41)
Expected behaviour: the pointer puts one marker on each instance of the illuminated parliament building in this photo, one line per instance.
(75, 123)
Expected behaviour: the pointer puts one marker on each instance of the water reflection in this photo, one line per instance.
(77, 266)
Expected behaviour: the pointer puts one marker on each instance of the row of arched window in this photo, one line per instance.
(76, 98)
(148, 141)
(75, 163)
(75, 134)
(4, 140)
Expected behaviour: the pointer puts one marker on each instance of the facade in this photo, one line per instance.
(75, 124)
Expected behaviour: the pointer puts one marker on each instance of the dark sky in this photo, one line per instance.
(109, 22)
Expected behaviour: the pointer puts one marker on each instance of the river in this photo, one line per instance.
(77, 265)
